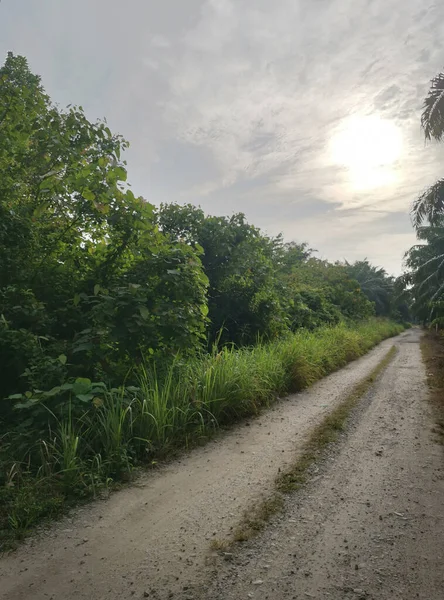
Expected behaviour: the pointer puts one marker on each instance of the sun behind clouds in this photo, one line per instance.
(369, 148)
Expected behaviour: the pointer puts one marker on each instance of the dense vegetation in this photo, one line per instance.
(128, 330)
(423, 283)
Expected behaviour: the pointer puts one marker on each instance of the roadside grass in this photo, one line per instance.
(80, 455)
(432, 348)
(257, 517)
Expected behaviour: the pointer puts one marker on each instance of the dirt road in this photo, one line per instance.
(369, 524)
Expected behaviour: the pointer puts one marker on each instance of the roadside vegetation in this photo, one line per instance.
(422, 286)
(129, 331)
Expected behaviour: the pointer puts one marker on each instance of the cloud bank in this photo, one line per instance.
(233, 105)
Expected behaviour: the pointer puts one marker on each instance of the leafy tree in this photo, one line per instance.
(87, 281)
(94, 279)
(324, 293)
(239, 261)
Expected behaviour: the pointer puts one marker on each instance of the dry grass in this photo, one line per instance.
(432, 347)
(220, 545)
(256, 519)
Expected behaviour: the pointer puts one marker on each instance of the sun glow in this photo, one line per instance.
(369, 148)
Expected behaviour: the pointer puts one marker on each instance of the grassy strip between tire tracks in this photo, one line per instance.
(257, 517)
(81, 455)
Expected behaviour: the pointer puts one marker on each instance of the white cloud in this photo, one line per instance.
(259, 86)
(258, 89)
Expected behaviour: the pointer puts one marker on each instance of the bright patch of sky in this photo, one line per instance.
(304, 114)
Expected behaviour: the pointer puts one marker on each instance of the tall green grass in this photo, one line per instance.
(169, 410)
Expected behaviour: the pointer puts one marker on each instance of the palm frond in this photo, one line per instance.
(432, 118)
(429, 206)
(437, 293)
(432, 260)
(429, 233)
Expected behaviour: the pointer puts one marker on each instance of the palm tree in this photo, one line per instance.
(430, 204)
(425, 262)
(432, 119)
(374, 282)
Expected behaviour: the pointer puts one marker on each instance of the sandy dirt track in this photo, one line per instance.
(382, 491)
(370, 525)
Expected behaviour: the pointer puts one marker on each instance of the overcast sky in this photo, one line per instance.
(304, 114)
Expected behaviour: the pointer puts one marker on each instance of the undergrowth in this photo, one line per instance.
(80, 453)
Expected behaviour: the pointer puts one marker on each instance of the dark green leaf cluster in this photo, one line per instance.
(84, 271)
(423, 283)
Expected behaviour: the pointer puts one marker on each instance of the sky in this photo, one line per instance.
(303, 114)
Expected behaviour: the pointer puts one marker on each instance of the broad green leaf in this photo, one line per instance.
(88, 194)
(54, 391)
(85, 397)
(121, 173)
(144, 312)
(62, 358)
(82, 385)
(20, 405)
(82, 347)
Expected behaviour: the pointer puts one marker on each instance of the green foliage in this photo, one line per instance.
(422, 284)
(260, 286)
(239, 261)
(322, 293)
(381, 289)
(80, 451)
(432, 118)
(423, 281)
(85, 273)
(127, 331)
